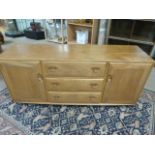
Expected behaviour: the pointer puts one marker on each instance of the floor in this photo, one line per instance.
(150, 84)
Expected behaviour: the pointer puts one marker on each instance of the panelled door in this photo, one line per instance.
(125, 81)
(24, 80)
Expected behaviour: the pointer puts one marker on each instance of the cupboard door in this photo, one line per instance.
(24, 80)
(125, 82)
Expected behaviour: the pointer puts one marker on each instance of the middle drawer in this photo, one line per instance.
(73, 84)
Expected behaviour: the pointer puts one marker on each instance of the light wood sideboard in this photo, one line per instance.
(75, 74)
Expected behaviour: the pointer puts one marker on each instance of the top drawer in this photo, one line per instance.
(73, 69)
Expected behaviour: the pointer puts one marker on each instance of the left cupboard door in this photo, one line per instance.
(24, 79)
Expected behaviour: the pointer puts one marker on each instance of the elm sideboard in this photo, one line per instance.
(75, 74)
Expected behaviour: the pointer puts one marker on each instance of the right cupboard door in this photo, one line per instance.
(125, 82)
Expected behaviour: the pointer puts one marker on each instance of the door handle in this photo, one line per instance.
(40, 77)
(109, 78)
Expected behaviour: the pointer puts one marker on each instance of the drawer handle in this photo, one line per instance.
(56, 97)
(52, 68)
(55, 83)
(93, 85)
(95, 69)
(92, 97)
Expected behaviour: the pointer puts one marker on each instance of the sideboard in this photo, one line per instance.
(75, 74)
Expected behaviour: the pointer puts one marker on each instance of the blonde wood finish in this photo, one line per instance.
(92, 28)
(73, 84)
(73, 69)
(74, 103)
(71, 97)
(72, 53)
(75, 74)
(95, 31)
(24, 80)
(79, 24)
(125, 82)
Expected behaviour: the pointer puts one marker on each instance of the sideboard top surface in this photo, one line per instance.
(75, 53)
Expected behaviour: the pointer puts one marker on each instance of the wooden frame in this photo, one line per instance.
(131, 39)
(92, 27)
(56, 40)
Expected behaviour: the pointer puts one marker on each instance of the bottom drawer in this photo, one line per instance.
(74, 97)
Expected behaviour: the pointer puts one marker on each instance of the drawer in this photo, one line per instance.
(74, 97)
(73, 69)
(73, 84)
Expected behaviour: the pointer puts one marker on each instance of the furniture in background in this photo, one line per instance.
(35, 31)
(139, 32)
(0, 48)
(1, 41)
(1, 38)
(56, 30)
(12, 29)
(75, 74)
(34, 34)
(102, 31)
(91, 25)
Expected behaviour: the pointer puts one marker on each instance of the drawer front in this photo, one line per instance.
(74, 97)
(74, 69)
(70, 84)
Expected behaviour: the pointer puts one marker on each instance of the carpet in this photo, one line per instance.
(8, 128)
(80, 120)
